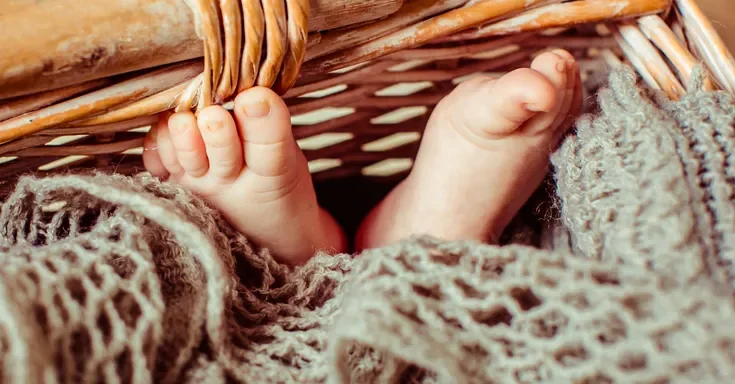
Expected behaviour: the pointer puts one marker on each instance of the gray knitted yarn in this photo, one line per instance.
(650, 183)
(106, 278)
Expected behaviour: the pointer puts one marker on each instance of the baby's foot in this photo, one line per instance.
(485, 150)
(251, 169)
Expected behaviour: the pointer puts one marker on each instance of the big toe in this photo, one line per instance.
(265, 127)
(558, 66)
(488, 108)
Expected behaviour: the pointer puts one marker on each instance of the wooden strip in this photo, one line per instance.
(276, 42)
(20, 166)
(410, 12)
(298, 13)
(570, 42)
(334, 151)
(83, 150)
(393, 102)
(664, 38)
(208, 24)
(345, 98)
(444, 74)
(252, 51)
(506, 43)
(160, 102)
(649, 57)
(232, 22)
(332, 125)
(701, 32)
(635, 61)
(417, 34)
(22, 144)
(367, 158)
(327, 15)
(122, 126)
(414, 124)
(569, 14)
(98, 101)
(345, 78)
(58, 43)
(33, 102)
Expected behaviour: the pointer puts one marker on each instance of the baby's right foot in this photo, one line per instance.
(485, 150)
(251, 169)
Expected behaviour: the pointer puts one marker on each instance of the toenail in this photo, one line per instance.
(214, 124)
(532, 108)
(178, 123)
(561, 65)
(258, 108)
(181, 127)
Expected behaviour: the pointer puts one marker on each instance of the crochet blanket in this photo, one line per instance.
(106, 278)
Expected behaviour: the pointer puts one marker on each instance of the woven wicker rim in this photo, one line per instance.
(670, 39)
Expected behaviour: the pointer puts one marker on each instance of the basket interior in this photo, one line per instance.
(364, 120)
(362, 124)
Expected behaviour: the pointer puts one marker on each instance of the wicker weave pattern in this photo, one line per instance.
(365, 92)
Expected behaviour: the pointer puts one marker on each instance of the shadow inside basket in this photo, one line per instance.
(360, 125)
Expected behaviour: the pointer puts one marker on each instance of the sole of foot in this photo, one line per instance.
(485, 150)
(248, 165)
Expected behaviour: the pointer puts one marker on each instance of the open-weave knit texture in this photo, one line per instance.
(106, 278)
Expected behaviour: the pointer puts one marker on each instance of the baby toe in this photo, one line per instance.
(557, 69)
(165, 147)
(151, 158)
(567, 93)
(554, 67)
(495, 108)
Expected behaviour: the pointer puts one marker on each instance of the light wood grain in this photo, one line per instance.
(722, 15)
(57, 43)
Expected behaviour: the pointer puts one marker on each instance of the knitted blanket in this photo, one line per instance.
(106, 278)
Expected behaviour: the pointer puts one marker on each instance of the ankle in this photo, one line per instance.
(334, 240)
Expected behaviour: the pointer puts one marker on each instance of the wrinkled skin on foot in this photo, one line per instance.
(485, 150)
(248, 165)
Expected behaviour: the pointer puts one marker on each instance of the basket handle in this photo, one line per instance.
(285, 48)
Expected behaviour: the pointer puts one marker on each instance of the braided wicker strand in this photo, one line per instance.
(284, 23)
(227, 62)
(254, 26)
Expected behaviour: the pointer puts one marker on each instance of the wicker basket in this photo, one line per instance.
(80, 82)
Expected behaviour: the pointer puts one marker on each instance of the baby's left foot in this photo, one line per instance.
(251, 169)
(485, 150)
